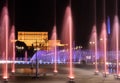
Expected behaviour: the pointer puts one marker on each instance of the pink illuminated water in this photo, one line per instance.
(54, 45)
(12, 39)
(115, 40)
(4, 40)
(96, 63)
(70, 35)
(103, 39)
(67, 37)
(105, 47)
(93, 45)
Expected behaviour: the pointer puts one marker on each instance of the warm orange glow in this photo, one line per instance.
(51, 45)
(30, 38)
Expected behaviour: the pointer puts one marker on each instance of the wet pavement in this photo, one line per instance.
(82, 75)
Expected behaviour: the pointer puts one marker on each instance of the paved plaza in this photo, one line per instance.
(82, 75)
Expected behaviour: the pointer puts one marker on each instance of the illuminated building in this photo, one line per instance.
(39, 40)
(36, 39)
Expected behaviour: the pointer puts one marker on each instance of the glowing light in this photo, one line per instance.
(30, 37)
(55, 71)
(107, 63)
(5, 77)
(71, 77)
(106, 73)
(96, 71)
(118, 75)
(101, 39)
(108, 25)
(90, 42)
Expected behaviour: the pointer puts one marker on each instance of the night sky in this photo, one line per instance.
(39, 15)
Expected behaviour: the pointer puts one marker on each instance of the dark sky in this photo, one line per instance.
(39, 15)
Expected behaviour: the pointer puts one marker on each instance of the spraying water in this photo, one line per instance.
(115, 37)
(12, 39)
(103, 38)
(103, 42)
(4, 40)
(115, 40)
(54, 45)
(93, 46)
(67, 37)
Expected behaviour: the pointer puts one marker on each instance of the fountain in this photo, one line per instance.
(67, 37)
(12, 47)
(96, 63)
(54, 47)
(103, 42)
(93, 46)
(4, 40)
(55, 42)
(95, 39)
(105, 48)
(116, 33)
(115, 39)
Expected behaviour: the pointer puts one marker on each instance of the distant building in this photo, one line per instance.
(30, 38)
(39, 40)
